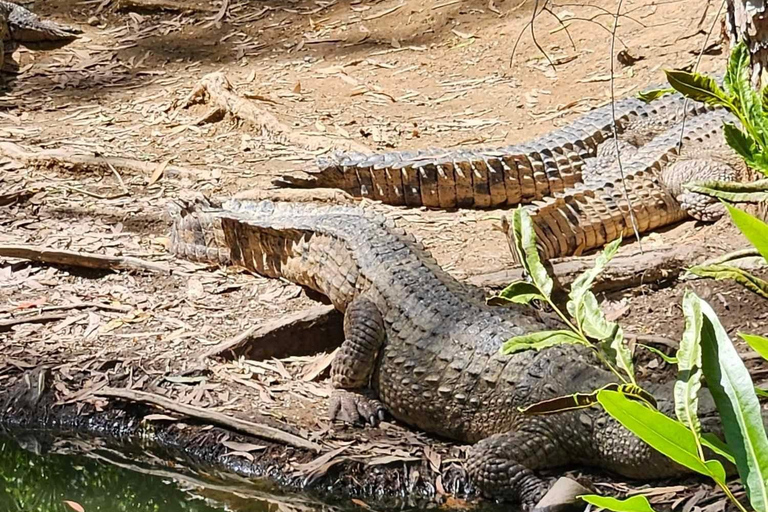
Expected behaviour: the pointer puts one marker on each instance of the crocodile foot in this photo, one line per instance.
(355, 408)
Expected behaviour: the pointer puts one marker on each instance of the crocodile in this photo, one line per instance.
(507, 176)
(426, 344)
(596, 211)
(18, 24)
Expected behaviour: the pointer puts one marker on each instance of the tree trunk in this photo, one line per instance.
(747, 20)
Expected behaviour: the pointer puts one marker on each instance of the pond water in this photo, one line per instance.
(106, 481)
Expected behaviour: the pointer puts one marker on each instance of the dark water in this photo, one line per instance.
(104, 481)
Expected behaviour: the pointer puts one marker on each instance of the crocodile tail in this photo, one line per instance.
(27, 27)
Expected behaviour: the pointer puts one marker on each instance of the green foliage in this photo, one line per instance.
(751, 227)
(525, 245)
(519, 292)
(744, 278)
(739, 192)
(583, 400)
(587, 320)
(668, 436)
(738, 97)
(653, 350)
(654, 94)
(732, 389)
(633, 504)
(757, 343)
(541, 340)
(689, 367)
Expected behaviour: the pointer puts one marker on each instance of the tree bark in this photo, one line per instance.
(747, 20)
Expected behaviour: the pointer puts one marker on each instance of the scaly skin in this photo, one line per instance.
(22, 25)
(487, 178)
(426, 343)
(596, 212)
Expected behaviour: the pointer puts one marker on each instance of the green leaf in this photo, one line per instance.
(734, 394)
(738, 66)
(699, 88)
(584, 282)
(591, 318)
(740, 142)
(761, 392)
(653, 350)
(716, 444)
(519, 292)
(735, 191)
(747, 280)
(757, 343)
(540, 340)
(668, 436)
(582, 400)
(751, 227)
(633, 504)
(525, 246)
(688, 381)
(654, 94)
(619, 354)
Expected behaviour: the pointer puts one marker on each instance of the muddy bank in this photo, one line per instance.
(36, 423)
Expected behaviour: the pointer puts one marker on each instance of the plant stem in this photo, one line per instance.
(730, 496)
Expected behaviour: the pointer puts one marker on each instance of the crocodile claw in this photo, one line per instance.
(355, 408)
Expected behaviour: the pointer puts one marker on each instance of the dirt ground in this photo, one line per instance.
(392, 74)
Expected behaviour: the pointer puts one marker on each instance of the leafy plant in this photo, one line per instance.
(738, 97)
(586, 323)
(705, 352)
(756, 232)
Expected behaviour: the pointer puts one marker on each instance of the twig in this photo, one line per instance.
(74, 160)
(696, 68)
(94, 194)
(215, 88)
(614, 129)
(565, 27)
(246, 427)
(6, 325)
(162, 5)
(76, 305)
(80, 259)
(534, 14)
(117, 175)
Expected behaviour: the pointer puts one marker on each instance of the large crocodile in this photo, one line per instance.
(507, 176)
(597, 211)
(426, 343)
(18, 24)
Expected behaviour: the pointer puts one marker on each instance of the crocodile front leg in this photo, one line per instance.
(501, 466)
(354, 363)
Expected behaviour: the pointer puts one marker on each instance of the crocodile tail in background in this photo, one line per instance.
(487, 178)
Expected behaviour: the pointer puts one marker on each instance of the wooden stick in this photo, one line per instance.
(76, 160)
(246, 427)
(80, 259)
(161, 5)
(624, 271)
(6, 325)
(215, 87)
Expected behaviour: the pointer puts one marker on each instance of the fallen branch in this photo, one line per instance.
(7, 325)
(299, 195)
(624, 271)
(245, 427)
(78, 161)
(162, 5)
(308, 331)
(80, 259)
(215, 88)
